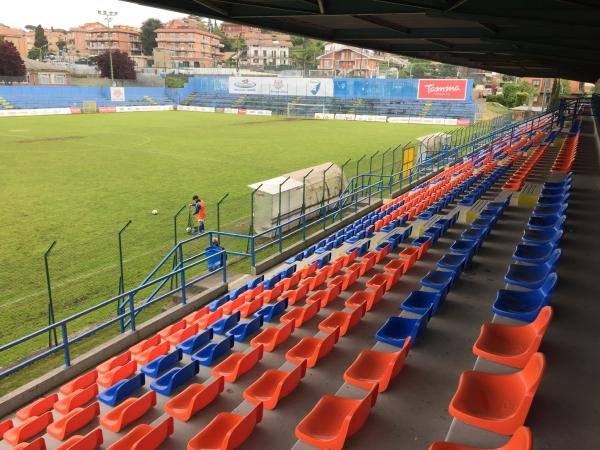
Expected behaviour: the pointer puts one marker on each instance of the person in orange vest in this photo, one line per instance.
(200, 213)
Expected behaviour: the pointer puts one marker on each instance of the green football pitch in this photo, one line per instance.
(79, 179)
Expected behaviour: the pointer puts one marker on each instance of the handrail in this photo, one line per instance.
(62, 325)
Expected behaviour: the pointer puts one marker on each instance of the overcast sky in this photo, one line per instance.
(70, 13)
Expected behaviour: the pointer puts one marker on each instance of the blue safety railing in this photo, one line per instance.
(128, 311)
(359, 192)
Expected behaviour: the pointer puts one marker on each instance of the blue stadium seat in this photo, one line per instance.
(121, 390)
(213, 351)
(531, 277)
(159, 365)
(422, 302)
(269, 312)
(397, 329)
(524, 305)
(243, 331)
(190, 345)
(224, 324)
(175, 378)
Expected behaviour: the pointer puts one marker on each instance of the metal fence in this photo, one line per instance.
(186, 263)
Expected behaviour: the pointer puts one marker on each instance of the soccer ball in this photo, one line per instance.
(155, 211)
(188, 229)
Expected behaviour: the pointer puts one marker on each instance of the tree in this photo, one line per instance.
(148, 35)
(305, 51)
(513, 94)
(123, 66)
(61, 45)
(11, 63)
(40, 44)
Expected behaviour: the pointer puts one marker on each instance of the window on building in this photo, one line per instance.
(44, 78)
(59, 78)
(536, 83)
(264, 53)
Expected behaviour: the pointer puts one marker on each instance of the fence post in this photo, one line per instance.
(251, 229)
(132, 312)
(50, 302)
(224, 266)
(323, 197)
(280, 239)
(279, 211)
(342, 175)
(122, 274)
(356, 187)
(303, 210)
(65, 339)
(182, 273)
(175, 239)
(219, 216)
(370, 172)
(402, 167)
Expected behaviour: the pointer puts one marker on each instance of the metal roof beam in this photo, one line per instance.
(508, 20)
(212, 7)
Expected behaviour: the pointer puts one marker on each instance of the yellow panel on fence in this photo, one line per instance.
(408, 160)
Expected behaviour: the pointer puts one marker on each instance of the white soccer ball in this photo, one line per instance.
(155, 211)
(188, 229)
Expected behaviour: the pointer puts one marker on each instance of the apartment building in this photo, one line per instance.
(188, 44)
(234, 30)
(344, 60)
(17, 37)
(267, 49)
(94, 38)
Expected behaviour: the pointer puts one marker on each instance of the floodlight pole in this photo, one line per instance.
(108, 17)
(50, 302)
(219, 216)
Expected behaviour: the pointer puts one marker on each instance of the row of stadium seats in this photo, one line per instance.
(308, 106)
(500, 402)
(29, 97)
(206, 337)
(335, 418)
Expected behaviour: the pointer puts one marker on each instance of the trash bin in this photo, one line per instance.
(214, 262)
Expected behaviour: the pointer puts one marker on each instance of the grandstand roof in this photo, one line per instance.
(521, 37)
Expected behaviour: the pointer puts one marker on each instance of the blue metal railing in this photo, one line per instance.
(357, 192)
(129, 311)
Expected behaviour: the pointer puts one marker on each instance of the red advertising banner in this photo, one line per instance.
(463, 122)
(447, 89)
